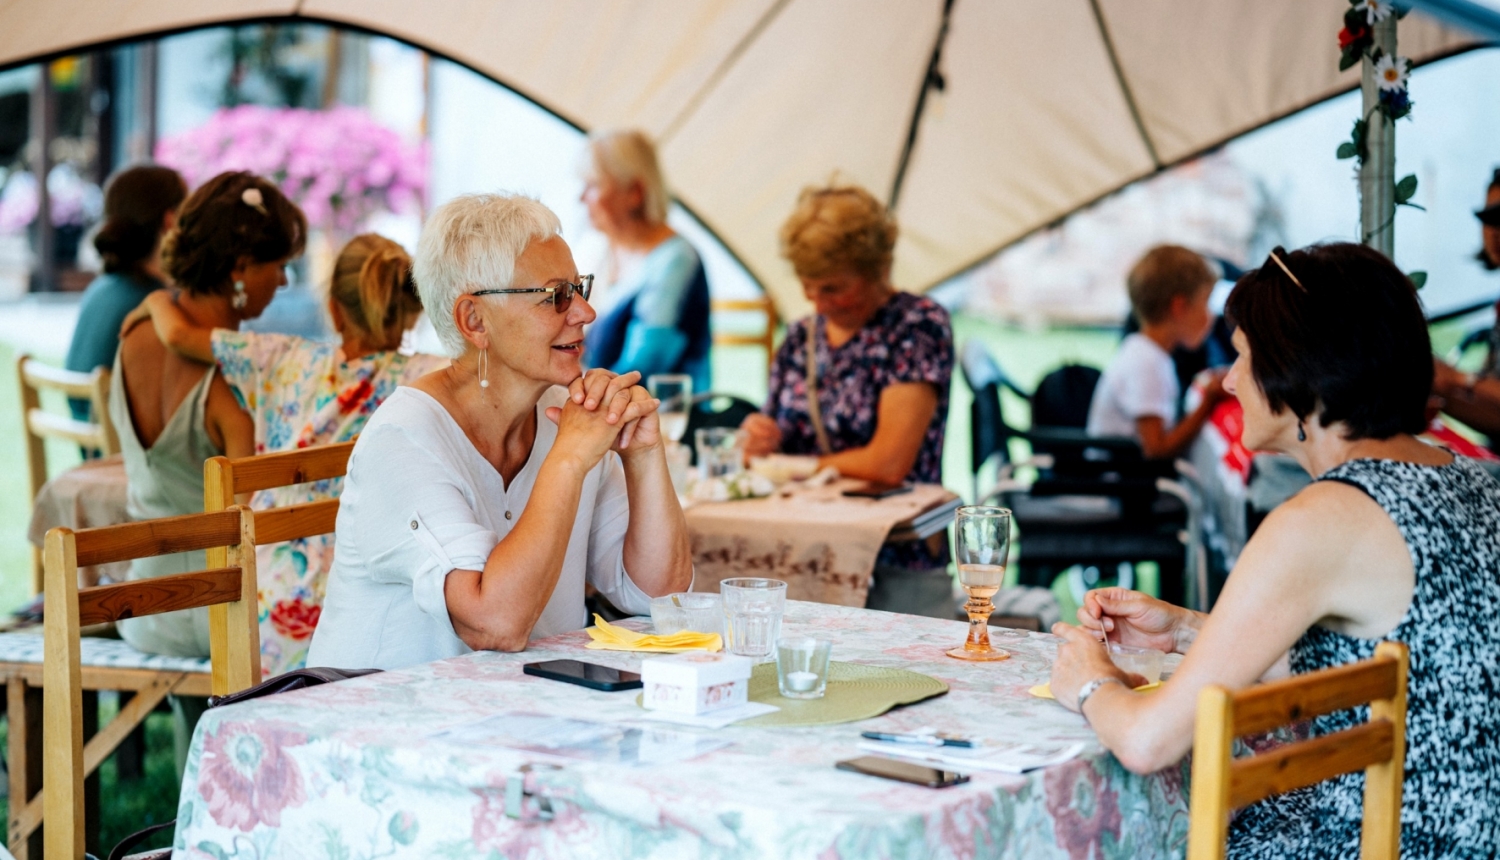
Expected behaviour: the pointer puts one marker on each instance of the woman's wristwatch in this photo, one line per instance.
(1091, 688)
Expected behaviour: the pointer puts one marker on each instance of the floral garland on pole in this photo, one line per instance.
(1392, 72)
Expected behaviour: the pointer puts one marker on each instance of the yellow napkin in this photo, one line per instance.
(1044, 691)
(608, 637)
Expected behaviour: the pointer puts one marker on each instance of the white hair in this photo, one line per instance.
(626, 157)
(472, 243)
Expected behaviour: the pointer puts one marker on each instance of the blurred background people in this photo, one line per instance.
(1474, 398)
(1138, 393)
(879, 361)
(301, 393)
(140, 206)
(654, 310)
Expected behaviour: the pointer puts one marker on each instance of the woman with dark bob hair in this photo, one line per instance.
(1396, 540)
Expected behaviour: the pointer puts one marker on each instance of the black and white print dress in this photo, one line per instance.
(1450, 803)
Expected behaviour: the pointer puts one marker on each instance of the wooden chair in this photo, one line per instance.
(765, 339)
(231, 587)
(98, 434)
(225, 478)
(1378, 747)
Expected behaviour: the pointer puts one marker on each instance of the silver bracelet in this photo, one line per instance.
(1091, 688)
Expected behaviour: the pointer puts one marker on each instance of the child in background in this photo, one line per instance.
(302, 393)
(1138, 393)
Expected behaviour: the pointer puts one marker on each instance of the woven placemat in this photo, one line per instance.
(855, 692)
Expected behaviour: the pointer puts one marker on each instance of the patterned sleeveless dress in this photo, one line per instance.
(1450, 802)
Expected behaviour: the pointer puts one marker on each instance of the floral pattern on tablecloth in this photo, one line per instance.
(349, 770)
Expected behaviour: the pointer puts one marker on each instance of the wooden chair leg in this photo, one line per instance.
(91, 793)
(24, 706)
(130, 755)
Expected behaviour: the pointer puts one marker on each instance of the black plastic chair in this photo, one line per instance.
(1096, 501)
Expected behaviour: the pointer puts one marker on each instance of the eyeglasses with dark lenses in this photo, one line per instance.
(561, 295)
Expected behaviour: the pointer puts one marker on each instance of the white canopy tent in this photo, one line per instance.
(1047, 105)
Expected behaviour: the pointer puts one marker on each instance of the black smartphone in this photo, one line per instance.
(903, 771)
(872, 490)
(583, 674)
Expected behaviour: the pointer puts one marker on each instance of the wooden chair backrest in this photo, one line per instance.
(1378, 747)
(224, 478)
(235, 654)
(765, 339)
(35, 377)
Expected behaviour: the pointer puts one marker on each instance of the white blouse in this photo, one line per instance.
(419, 501)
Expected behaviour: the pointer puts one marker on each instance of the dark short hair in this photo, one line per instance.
(216, 227)
(1350, 342)
(1164, 273)
(136, 202)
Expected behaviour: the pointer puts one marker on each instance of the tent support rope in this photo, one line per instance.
(723, 68)
(1114, 62)
(933, 78)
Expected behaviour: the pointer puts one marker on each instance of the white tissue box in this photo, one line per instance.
(695, 682)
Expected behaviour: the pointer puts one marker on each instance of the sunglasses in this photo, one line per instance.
(562, 294)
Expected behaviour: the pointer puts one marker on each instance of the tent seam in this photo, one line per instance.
(1130, 103)
(722, 70)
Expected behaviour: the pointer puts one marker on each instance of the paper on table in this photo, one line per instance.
(713, 719)
(609, 637)
(1003, 757)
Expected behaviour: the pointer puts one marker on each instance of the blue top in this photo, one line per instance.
(96, 338)
(657, 319)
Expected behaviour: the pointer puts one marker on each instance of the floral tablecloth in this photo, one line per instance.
(821, 543)
(351, 771)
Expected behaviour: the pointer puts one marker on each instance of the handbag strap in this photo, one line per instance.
(814, 411)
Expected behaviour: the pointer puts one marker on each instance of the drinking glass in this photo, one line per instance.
(752, 615)
(982, 542)
(802, 667)
(675, 391)
(700, 613)
(721, 453)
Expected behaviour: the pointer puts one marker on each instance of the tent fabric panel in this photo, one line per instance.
(828, 89)
(598, 65)
(1032, 123)
(1243, 64)
(39, 28)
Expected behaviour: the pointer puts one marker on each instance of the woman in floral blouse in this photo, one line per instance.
(302, 393)
(883, 359)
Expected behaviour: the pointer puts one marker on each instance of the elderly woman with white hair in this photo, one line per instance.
(482, 498)
(655, 316)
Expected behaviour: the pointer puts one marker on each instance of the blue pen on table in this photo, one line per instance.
(928, 739)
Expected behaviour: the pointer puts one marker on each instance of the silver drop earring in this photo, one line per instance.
(240, 299)
(484, 369)
(1301, 432)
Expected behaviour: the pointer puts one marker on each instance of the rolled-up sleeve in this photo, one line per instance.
(417, 517)
(606, 565)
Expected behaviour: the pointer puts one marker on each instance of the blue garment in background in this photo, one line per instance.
(96, 337)
(657, 320)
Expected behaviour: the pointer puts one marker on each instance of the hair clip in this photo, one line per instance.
(252, 197)
(1289, 274)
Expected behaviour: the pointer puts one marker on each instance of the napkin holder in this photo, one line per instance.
(695, 682)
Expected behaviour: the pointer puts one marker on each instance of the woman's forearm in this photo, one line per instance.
(868, 464)
(658, 553)
(502, 603)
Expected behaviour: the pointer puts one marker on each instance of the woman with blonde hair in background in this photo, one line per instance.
(655, 316)
(302, 393)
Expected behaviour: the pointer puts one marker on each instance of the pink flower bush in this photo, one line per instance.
(339, 165)
(247, 778)
(75, 202)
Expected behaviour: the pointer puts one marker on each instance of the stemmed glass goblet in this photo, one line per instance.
(982, 542)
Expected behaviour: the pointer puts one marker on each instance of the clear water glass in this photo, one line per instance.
(675, 391)
(981, 545)
(802, 667)
(699, 613)
(721, 452)
(752, 615)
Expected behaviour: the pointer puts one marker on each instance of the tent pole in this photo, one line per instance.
(1377, 175)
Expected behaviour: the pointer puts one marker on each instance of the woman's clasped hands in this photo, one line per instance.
(607, 411)
(1122, 617)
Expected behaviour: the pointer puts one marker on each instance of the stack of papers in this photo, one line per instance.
(1003, 757)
